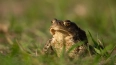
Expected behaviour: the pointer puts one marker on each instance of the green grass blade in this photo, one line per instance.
(95, 43)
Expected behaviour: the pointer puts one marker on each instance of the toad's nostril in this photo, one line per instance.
(54, 20)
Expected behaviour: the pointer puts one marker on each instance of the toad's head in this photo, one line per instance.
(66, 27)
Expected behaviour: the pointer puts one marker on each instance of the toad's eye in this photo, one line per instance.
(67, 22)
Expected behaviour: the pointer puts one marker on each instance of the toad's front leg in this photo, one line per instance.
(47, 47)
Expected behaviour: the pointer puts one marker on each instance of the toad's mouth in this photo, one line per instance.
(53, 31)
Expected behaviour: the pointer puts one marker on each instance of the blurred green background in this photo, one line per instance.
(28, 21)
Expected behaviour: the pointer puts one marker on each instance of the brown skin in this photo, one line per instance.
(65, 35)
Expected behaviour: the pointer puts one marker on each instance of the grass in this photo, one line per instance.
(24, 29)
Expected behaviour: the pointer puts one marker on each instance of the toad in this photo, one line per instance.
(67, 37)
